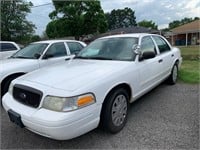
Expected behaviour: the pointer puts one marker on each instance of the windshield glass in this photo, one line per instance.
(32, 51)
(118, 48)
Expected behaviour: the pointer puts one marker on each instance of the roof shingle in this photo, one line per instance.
(187, 28)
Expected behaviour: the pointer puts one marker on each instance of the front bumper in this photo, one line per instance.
(55, 125)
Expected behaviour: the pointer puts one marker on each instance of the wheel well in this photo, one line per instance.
(11, 76)
(124, 86)
(177, 62)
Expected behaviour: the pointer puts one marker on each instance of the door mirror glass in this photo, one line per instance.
(147, 55)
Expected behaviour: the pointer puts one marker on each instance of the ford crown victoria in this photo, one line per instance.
(94, 88)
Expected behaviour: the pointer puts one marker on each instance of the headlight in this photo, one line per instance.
(10, 90)
(68, 103)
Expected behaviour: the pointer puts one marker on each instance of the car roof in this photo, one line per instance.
(11, 42)
(137, 35)
(55, 41)
(7, 42)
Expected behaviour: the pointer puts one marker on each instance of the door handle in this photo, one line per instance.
(67, 59)
(172, 55)
(160, 60)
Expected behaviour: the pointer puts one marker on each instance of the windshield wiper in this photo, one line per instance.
(81, 57)
(21, 57)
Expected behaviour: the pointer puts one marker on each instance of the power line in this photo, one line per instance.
(41, 5)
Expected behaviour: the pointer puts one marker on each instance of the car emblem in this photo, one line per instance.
(22, 96)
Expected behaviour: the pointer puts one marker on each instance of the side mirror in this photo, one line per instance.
(147, 55)
(37, 55)
(46, 56)
(136, 49)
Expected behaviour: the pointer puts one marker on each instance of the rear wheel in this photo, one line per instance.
(115, 110)
(174, 75)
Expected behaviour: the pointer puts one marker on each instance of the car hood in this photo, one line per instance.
(15, 63)
(76, 74)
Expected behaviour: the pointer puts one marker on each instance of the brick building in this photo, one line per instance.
(187, 34)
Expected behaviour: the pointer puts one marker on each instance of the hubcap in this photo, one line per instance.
(119, 110)
(174, 75)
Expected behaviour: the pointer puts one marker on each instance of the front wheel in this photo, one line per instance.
(5, 86)
(115, 110)
(174, 75)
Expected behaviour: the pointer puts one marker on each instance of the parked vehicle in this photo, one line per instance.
(95, 88)
(7, 48)
(35, 56)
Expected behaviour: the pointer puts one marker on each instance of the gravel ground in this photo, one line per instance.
(165, 118)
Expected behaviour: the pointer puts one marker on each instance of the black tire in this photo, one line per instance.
(174, 75)
(108, 122)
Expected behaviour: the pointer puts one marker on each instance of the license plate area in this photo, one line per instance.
(15, 118)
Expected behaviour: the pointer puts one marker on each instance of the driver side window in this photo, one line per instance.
(147, 44)
(56, 50)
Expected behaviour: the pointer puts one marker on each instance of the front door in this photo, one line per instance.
(56, 53)
(149, 69)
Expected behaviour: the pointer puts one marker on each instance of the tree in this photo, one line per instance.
(35, 38)
(76, 18)
(174, 24)
(14, 25)
(57, 28)
(183, 21)
(148, 24)
(121, 18)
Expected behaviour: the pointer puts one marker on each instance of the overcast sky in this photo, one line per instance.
(160, 11)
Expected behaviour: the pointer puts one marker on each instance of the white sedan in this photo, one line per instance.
(95, 88)
(7, 48)
(35, 56)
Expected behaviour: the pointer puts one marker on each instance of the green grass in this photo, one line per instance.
(190, 71)
(190, 68)
(190, 52)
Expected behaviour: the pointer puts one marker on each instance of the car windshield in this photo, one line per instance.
(32, 51)
(117, 48)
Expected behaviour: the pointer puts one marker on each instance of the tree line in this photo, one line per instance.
(70, 18)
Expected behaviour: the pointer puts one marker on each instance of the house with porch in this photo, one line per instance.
(187, 34)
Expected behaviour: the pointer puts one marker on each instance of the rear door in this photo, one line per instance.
(166, 55)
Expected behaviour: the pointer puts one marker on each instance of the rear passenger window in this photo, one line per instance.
(162, 44)
(74, 47)
(7, 47)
